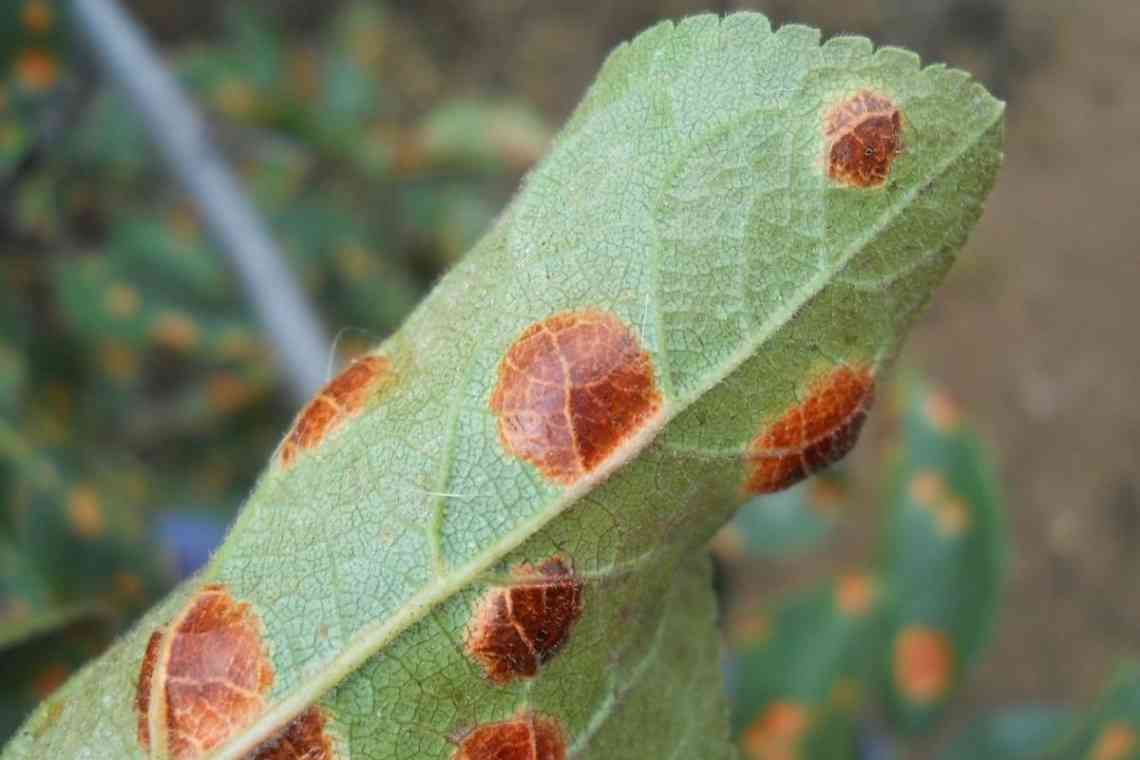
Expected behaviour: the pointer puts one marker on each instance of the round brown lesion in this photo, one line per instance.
(342, 398)
(571, 389)
(207, 672)
(517, 628)
(527, 737)
(813, 434)
(864, 137)
(303, 739)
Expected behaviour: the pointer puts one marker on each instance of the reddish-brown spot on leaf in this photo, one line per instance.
(812, 435)
(342, 398)
(571, 389)
(142, 692)
(303, 739)
(212, 672)
(1116, 742)
(776, 732)
(923, 664)
(517, 628)
(855, 594)
(528, 737)
(864, 136)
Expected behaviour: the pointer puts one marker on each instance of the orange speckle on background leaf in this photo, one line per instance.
(37, 16)
(776, 732)
(37, 70)
(571, 389)
(342, 398)
(923, 664)
(122, 301)
(175, 331)
(207, 671)
(812, 435)
(84, 513)
(864, 136)
(528, 737)
(517, 628)
(1116, 742)
(942, 412)
(952, 517)
(855, 594)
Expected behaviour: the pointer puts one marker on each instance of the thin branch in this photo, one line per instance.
(181, 137)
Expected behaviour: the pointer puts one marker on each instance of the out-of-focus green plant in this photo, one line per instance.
(898, 637)
(138, 397)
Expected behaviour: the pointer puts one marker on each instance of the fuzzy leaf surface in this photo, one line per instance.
(685, 215)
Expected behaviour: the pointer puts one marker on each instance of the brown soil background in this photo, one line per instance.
(1035, 332)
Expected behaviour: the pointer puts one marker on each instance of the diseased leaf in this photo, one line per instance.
(689, 300)
(798, 685)
(943, 558)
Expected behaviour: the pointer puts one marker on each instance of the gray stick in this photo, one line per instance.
(181, 137)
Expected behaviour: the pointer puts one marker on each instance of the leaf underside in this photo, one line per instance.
(688, 197)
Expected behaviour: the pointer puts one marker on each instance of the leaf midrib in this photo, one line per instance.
(371, 639)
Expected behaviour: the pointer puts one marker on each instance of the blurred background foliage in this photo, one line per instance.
(138, 398)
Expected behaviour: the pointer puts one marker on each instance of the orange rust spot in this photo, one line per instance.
(227, 392)
(343, 397)
(776, 732)
(235, 98)
(175, 331)
(748, 627)
(854, 594)
(942, 412)
(37, 70)
(923, 664)
(1116, 742)
(142, 691)
(818, 432)
(927, 489)
(528, 737)
(212, 670)
(117, 361)
(571, 389)
(953, 517)
(303, 739)
(84, 512)
(518, 628)
(864, 136)
(122, 301)
(37, 16)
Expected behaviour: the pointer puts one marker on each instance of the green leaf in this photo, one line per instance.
(705, 277)
(797, 687)
(943, 558)
(1022, 733)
